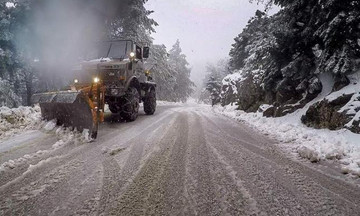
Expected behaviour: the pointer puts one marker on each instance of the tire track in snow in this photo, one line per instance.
(90, 154)
(117, 178)
(231, 198)
(312, 196)
(137, 198)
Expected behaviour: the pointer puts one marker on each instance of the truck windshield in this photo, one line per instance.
(115, 49)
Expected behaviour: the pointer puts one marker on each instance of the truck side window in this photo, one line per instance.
(138, 52)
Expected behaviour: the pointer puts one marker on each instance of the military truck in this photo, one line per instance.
(113, 73)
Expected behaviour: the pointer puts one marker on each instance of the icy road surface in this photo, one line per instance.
(184, 160)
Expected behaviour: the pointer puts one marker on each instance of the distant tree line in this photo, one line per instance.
(40, 41)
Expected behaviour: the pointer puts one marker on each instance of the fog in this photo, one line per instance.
(63, 29)
(206, 28)
(60, 32)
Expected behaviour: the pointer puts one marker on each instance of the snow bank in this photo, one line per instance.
(65, 137)
(16, 120)
(312, 144)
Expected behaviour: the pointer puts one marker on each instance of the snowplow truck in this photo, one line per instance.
(113, 74)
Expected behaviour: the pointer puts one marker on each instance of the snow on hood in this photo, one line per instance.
(104, 60)
(100, 60)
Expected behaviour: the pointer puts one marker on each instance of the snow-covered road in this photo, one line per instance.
(184, 160)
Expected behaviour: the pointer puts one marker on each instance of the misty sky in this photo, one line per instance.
(206, 28)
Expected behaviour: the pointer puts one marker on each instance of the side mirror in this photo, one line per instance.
(146, 52)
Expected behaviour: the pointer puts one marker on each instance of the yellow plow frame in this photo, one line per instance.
(82, 107)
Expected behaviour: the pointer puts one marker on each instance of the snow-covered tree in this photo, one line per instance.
(213, 76)
(129, 19)
(284, 54)
(218, 70)
(170, 72)
(213, 86)
(253, 53)
(183, 87)
(11, 59)
(162, 72)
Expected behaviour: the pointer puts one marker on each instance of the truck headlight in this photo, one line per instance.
(96, 80)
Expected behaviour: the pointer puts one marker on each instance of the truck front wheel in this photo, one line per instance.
(130, 104)
(150, 102)
(114, 108)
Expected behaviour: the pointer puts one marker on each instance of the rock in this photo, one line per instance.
(345, 170)
(340, 82)
(285, 91)
(315, 86)
(355, 127)
(250, 95)
(227, 95)
(324, 114)
(270, 112)
(279, 110)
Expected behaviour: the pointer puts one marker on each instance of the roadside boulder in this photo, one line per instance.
(325, 114)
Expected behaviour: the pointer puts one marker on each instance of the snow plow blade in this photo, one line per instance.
(70, 109)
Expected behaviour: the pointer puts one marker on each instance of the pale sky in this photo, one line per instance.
(206, 28)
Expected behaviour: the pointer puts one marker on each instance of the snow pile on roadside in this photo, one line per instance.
(18, 120)
(15, 120)
(312, 144)
(65, 137)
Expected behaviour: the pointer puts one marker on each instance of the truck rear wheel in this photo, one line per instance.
(130, 106)
(150, 102)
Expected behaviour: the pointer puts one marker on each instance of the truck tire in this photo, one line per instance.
(130, 105)
(150, 102)
(114, 108)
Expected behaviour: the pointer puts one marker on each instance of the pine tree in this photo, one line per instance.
(213, 76)
(184, 86)
(284, 54)
(162, 72)
(213, 86)
(10, 58)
